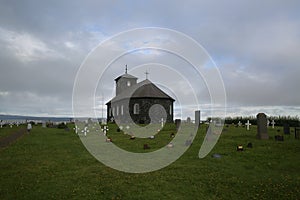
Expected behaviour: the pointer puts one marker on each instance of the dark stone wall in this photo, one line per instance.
(144, 107)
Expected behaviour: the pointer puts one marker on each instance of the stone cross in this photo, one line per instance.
(248, 124)
(105, 129)
(273, 123)
(85, 131)
(239, 124)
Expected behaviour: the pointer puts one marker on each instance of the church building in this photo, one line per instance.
(136, 99)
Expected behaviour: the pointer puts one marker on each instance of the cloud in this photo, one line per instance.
(255, 45)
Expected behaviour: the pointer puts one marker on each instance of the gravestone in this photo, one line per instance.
(268, 123)
(262, 131)
(44, 124)
(188, 120)
(279, 138)
(177, 123)
(286, 129)
(297, 133)
(197, 118)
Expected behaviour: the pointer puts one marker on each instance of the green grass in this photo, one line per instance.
(6, 130)
(53, 164)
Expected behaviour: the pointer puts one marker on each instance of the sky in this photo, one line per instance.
(254, 45)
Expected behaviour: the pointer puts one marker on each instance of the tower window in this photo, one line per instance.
(128, 83)
(117, 110)
(136, 109)
(170, 109)
(122, 109)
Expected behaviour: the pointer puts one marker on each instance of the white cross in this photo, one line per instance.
(76, 129)
(17, 123)
(85, 131)
(105, 129)
(268, 122)
(11, 124)
(127, 127)
(239, 124)
(121, 127)
(248, 124)
(273, 123)
(162, 122)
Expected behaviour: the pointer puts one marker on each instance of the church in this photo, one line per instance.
(138, 98)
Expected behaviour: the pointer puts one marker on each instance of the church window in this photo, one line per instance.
(170, 109)
(117, 110)
(136, 109)
(113, 111)
(128, 83)
(122, 109)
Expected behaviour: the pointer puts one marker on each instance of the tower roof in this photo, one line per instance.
(126, 76)
(144, 89)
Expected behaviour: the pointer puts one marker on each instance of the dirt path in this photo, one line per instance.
(4, 142)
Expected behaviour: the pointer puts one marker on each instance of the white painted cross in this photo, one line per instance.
(248, 124)
(162, 122)
(11, 125)
(105, 129)
(268, 122)
(17, 123)
(76, 129)
(85, 131)
(273, 123)
(239, 124)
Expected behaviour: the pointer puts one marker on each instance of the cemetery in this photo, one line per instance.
(256, 161)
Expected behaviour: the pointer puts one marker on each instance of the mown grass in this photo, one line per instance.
(52, 163)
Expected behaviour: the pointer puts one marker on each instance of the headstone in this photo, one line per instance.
(197, 118)
(249, 145)
(29, 127)
(188, 120)
(177, 123)
(262, 131)
(248, 124)
(11, 125)
(279, 138)
(286, 129)
(240, 148)
(273, 123)
(44, 124)
(297, 133)
(132, 137)
(268, 123)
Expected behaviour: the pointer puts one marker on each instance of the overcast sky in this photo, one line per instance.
(255, 45)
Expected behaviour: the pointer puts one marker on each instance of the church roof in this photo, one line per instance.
(125, 76)
(144, 89)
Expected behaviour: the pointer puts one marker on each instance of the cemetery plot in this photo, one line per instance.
(52, 163)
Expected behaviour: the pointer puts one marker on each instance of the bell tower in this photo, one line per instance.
(124, 82)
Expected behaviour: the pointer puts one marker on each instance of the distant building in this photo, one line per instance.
(140, 97)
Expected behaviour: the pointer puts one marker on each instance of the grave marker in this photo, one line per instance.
(248, 124)
(273, 123)
(262, 131)
(286, 129)
(197, 118)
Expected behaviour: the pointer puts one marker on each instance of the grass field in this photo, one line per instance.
(52, 163)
